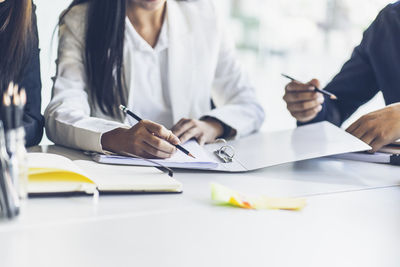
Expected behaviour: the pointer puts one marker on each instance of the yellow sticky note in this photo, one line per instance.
(224, 195)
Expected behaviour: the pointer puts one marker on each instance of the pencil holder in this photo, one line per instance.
(15, 143)
(22, 158)
(9, 199)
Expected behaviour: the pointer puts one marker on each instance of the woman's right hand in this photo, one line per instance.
(146, 139)
(302, 101)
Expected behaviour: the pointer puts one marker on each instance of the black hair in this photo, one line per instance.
(16, 35)
(104, 52)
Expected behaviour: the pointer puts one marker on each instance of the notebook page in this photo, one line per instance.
(51, 173)
(109, 178)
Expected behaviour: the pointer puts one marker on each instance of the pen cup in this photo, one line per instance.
(22, 157)
(15, 140)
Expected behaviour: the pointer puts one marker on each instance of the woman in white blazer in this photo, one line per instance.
(165, 60)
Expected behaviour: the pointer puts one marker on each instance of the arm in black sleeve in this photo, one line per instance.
(33, 119)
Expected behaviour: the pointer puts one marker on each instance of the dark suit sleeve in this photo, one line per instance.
(357, 81)
(33, 119)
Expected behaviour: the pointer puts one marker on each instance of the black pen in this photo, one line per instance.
(331, 96)
(136, 117)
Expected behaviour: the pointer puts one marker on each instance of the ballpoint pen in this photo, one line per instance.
(136, 117)
(324, 92)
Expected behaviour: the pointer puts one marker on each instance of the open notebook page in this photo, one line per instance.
(115, 178)
(50, 173)
(178, 160)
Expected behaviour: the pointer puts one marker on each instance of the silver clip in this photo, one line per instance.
(226, 153)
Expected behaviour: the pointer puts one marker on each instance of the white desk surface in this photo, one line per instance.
(352, 219)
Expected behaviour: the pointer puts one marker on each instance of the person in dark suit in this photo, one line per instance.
(373, 67)
(19, 61)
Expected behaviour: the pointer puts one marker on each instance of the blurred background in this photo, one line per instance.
(303, 38)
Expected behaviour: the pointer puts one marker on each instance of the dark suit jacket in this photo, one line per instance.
(374, 66)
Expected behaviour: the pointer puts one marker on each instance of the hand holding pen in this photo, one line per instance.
(146, 139)
(304, 100)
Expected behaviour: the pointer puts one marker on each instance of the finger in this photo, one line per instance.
(154, 152)
(201, 140)
(173, 139)
(360, 131)
(315, 83)
(293, 97)
(179, 124)
(183, 128)
(192, 132)
(306, 105)
(160, 131)
(377, 144)
(368, 137)
(297, 86)
(354, 126)
(159, 144)
(307, 115)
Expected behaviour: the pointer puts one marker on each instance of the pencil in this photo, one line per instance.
(7, 112)
(17, 107)
(136, 117)
(324, 92)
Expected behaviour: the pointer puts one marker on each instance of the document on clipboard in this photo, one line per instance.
(202, 160)
(258, 151)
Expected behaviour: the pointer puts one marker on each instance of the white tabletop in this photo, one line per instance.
(352, 219)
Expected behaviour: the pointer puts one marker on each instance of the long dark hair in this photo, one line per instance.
(15, 38)
(104, 52)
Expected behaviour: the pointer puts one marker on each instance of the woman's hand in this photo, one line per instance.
(378, 128)
(204, 131)
(146, 139)
(302, 101)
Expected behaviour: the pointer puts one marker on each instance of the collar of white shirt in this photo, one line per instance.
(140, 44)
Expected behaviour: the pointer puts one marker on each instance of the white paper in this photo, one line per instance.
(302, 143)
(178, 160)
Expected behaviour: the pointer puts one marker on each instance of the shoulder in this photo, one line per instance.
(75, 17)
(76, 13)
(390, 15)
(74, 20)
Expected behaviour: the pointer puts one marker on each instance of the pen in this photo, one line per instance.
(133, 115)
(331, 96)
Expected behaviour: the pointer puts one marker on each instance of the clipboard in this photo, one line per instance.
(260, 150)
(269, 149)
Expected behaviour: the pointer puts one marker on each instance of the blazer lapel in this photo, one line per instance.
(180, 61)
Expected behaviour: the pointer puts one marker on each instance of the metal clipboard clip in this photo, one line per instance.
(225, 153)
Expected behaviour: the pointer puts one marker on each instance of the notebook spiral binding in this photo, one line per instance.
(225, 153)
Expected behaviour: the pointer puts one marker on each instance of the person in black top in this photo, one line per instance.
(19, 61)
(373, 67)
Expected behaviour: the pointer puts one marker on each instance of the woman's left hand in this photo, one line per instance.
(378, 128)
(204, 131)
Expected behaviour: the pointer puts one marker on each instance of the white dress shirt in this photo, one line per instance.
(151, 79)
(192, 62)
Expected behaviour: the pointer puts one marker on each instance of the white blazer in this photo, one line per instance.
(202, 65)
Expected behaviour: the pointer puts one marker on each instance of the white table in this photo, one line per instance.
(352, 219)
